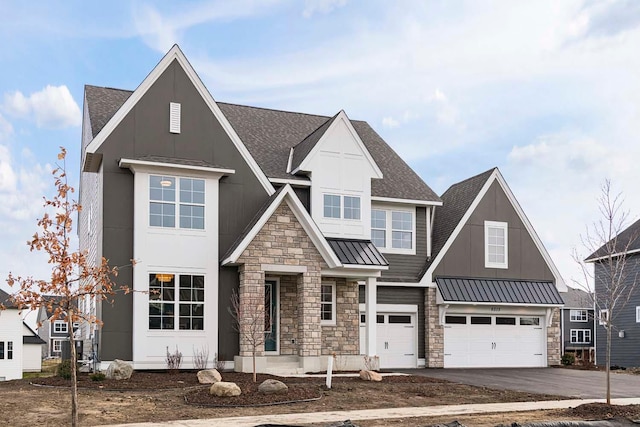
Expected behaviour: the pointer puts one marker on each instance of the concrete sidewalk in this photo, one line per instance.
(378, 414)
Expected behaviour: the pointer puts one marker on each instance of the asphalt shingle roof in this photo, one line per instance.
(5, 300)
(302, 150)
(628, 240)
(176, 161)
(577, 298)
(269, 136)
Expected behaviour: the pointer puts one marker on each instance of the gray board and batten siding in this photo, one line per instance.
(144, 131)
(402, 295)
(624, 351)
(465, 257)
(407, 268)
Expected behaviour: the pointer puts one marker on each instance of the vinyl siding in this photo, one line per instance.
(407, 268)
(568, 325)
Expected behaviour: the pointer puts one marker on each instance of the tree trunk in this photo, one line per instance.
(74, 376)
(255, 376)
(608, 359)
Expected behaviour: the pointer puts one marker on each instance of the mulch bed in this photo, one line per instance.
(601, 411)
(140, 380)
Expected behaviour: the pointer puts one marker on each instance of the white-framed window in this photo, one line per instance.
(580, 336)
(9, 350)
(496, 246)
(163, 298)
(1, 350)
(603, 317)
(393, 230)
(351, 207)
(162, 202)
(328, 303)
(578, 315)
(56, 346)
(638, 314)
(332, 206)
(60, 327)
(341, 207)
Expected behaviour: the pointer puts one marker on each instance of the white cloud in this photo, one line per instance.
(390, 122)
(6, 129)
(312, 7)
(53, 107)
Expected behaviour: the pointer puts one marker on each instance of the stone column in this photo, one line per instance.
(251, 313)
(434, 339)
(309, 331)
(553, 339)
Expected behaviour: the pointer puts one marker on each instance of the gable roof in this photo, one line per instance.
(302, 149)
(628, 241)
(459, 202)
(6, 301)
(577, 298)
(268, 136)
(32, 338)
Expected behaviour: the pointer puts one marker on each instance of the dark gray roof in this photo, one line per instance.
(6, 301)
(302, 150)
(269, 136)
(628, 240)
(360, 252)
(577, 298)
(498, 291)
(103, 102)
(176, 161)
(33, 338)
(456, 201)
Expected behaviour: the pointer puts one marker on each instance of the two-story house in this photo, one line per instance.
(577, 320)
(315, 222)
(54, 332)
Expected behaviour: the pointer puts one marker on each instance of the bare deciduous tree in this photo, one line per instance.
(608, 242)
(72, 276)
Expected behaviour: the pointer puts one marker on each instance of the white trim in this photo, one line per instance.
(388, 210)
(638, 314)
(292, 182)
(174, 117)
(584, 334)
(501, 304)
(61, 323)
(276, 311)
(342, 116)
(342, 271)
(290, 159)
(283, 269)
(405, 201)
(392, 308)
(366, 267)
(505, 228)
(496, 175)
(586, 315)
(176, 54)
(603, 314)
(331, 322)
(133, 164)
(287, 194)
(617, 254)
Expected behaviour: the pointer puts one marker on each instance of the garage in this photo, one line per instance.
(486, 341)
(396, 342)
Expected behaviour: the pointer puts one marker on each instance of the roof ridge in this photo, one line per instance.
(108, 87)
(274, 109)
(471, 178)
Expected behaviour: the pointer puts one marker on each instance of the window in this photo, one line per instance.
(192, 302)
(603, 317)
(638, 314)
(57, 346)
(530, 321)
(163, 299)
(331, 206)
(351, 207)
(393, 230)
(162, 202)
(455, 320)
(1, 349)
(60, 327)
(10, 350)
(505, 320)
(496, 244)
(480, 320)
(328, 304)
(580, 336)
(578, 315)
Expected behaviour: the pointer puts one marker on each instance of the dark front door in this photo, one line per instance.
(270, 316)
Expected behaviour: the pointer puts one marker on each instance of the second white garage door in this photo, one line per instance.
(483, 341)
(396, 342)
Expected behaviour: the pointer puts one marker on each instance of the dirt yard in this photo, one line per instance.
(163, 397)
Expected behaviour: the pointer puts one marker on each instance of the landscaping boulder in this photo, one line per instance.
(119, 370)
(370, 375)
(209, 376)
(272, 386)
(225, 389)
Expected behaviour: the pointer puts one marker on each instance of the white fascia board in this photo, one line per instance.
(366, 267)
(176, 54)
(402, 284)
(405, 201)
(143, 164)
(290, 159)
(560, 283)
(292, 182)
(342, 116)
(502, 304)
(615, 255)
(427, 278)
(350, 273)
(302, 216)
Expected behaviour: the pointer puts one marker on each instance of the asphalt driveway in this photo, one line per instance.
(563, 382)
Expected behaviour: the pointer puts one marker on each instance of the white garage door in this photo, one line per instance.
(483, 341)
(396, 339)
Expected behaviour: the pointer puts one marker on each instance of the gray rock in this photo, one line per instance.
(209, 376)
(272, 386)
(119, 370)
(225, 389)
(370, 375)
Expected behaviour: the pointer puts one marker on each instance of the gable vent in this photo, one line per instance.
(174, 117)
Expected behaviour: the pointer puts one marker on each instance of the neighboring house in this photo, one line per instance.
(19, 345)
(625, 335)
(339, 245)
(577, 320)
(53, 332)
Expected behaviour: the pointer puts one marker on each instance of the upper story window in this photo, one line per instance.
(496, 244)
(393, 230)
(603, 317)
(162, 202)
(333, 206)
(578, 315)
(60, 327)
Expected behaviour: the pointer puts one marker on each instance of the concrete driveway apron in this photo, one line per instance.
(558, 381)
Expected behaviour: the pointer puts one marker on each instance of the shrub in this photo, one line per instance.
(64, 369)
(568, 359)
(97, 376)
(174, 360)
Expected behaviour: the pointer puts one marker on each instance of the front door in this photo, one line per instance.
(270, 316)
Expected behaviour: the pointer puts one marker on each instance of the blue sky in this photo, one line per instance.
(547, 91)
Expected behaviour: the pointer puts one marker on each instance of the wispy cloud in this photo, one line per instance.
(312, 7)
(53, 107)
(6, 129)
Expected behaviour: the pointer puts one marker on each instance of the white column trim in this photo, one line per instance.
(370, 315)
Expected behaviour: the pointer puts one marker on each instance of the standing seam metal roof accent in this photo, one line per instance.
(358, 252)
(458, 289)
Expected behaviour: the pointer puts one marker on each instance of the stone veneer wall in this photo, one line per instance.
(553, 339)
(283, 241)
(344, 337)
(434, 339)
(288, 315)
